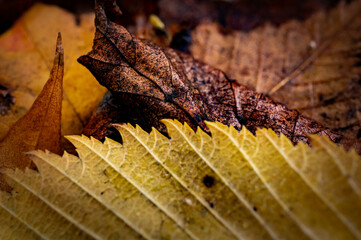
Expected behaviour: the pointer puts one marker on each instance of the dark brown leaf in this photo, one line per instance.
(40, 127)
(311, 66)
(149, 83)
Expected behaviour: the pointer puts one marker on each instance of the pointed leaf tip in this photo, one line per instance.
(59, 45)
(40, 127)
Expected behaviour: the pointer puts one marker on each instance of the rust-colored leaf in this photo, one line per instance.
(40, 127)
(311, 66)
(26, 55)
(149, 83)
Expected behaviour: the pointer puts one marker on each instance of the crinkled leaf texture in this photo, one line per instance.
(312, 66)
(231, 185)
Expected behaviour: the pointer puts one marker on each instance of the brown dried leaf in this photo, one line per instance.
(311, 66)
(40, 127)
(149, 83)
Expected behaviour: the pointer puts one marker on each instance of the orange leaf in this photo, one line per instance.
(40, 128)
(26, 55)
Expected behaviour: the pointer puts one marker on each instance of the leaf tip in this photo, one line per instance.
(59, 44)
(75, 138)
(59, 52)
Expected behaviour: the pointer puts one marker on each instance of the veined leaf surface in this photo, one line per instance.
(192, 186)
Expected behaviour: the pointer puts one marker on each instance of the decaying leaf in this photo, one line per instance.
(25, 62)
(40, 128)
(311, 66)
(191, 186)
(149, 83)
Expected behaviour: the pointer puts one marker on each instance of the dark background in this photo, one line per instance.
(235, 14)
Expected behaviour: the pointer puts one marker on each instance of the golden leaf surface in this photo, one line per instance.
(26, 59)
(155, 182)
(311, 66)
(191, 186)
(95, 177)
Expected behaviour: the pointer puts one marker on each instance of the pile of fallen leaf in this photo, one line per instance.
(230, 179)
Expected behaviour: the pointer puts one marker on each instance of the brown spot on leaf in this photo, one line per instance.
(208, 181)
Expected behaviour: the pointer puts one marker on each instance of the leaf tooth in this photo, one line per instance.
(348, 162)
(244, 140)
(70, 200)
(319, 170)
(172, 196)
(79, 176)
(299, 197)
(239, 176)
(190, 172)
(150, 221)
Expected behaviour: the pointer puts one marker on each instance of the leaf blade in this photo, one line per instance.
(157, 184)
(240, 177)
(239, 221)
(149, 220)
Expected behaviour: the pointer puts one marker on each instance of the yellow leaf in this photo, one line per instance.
(12, 228)
(348, 162)
(227, 160)
(321, 173)
(26, 52)
(81, 208)
(290, 188)
(126, 202)
(194, 174)
(141, 168)
(38, 216)
(192, 186)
